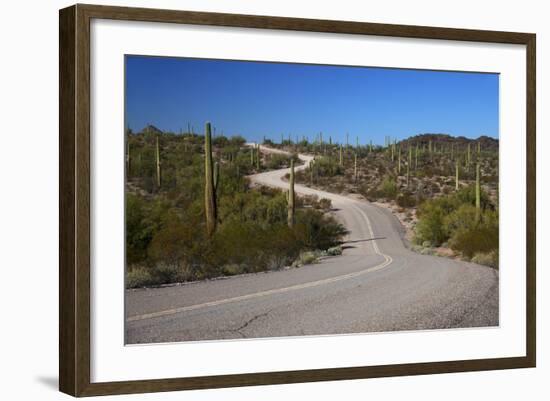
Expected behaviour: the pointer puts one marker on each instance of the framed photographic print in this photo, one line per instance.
(250, 200)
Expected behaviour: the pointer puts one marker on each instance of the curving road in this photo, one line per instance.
(376, 285)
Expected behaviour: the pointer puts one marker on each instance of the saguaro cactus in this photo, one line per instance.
(158, 160)
(478, 193)
(341, 159)
(258, 157)
(416, 157)
(399, 160)
(355, 167)
(209, 193)
(409, 166)
(456, 175)
(290, 217)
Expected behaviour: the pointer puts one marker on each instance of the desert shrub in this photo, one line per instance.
(405, 199)
(327, 167)
(307, 258)
(461, 219)
(454, 218)
(476, 237)
(173, 243)
(468, 195)
(138, 232)
(430, 227)
(334, 251)
(477, 240)
(139, 277)
(488, 259)
(164, 273)
(325, 204)
(314, 230)
(388, 188)
(276, 161)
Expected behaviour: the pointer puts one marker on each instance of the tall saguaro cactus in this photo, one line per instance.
(291, 209)
(456, 175)
(409, 166)
(355, 167)
(478, 193)
(209, 192)
(158, 161)
(258, 157)
(399, 160)
(341, 158)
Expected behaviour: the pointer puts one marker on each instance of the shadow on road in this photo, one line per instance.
(362, 240)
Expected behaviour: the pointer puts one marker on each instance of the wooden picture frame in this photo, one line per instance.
(74, 204)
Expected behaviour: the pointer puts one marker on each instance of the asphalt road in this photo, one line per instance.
(376, 285)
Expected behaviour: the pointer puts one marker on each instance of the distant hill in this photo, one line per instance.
(487, 143)
(151, 129)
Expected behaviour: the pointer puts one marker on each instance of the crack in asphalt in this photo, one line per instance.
(249, 321)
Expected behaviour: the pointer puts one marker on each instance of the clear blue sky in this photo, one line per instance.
(254, 99)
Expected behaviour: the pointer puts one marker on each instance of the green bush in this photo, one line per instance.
(327, 167)
(334, 251)
(405, 199)
(139, 277)
(454, 218)
(488, 259)
(388, 188)
(307, 258)
(314, 230)
(480, 237)
(430, 227)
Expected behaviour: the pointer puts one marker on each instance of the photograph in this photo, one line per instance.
(280, 199)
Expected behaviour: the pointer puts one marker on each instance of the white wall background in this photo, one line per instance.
(29, 185)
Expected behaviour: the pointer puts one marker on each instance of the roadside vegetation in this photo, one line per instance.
(443, 188)
(191, 213)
